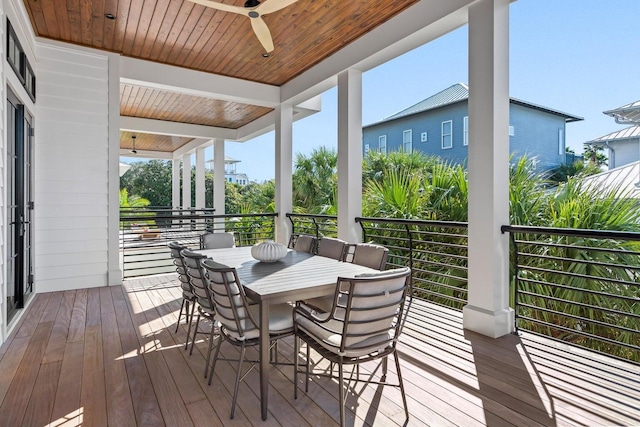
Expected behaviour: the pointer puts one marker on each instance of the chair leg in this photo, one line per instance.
(215, 358)
(296, 350)
(195, 333)
(343, 400)
(404, 396)
(211, 336)
(180, 314)
(193, 306)
(385, 363)
(238, 376)
(306, 373)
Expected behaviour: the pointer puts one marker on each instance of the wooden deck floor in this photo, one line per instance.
(109, 356)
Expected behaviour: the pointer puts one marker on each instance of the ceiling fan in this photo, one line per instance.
(254, 10)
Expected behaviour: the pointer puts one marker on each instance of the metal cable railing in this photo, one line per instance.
(144, 234)
(436, 251)
(578, 286)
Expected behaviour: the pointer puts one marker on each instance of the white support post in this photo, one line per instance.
(487, 311)
(186, 182)
(284, 171)
(114, 273)
(200, 187)
(175, 184)
(218, 182)
(349, 155)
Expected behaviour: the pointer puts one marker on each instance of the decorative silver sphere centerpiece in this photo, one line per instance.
(268, 251)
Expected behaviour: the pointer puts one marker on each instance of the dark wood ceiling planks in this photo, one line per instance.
(184, 34)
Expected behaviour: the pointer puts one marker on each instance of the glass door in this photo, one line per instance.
(19, 205)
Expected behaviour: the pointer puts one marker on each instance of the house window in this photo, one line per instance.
(423, 137)
(465, 135)
(407, 144)
(366, 148)
(447, 134)
(561, 142)
(18, 61)
(382, 144)
(512, 131)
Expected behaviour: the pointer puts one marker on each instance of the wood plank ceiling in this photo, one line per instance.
(184, 34)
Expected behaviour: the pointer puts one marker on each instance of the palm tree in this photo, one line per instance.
(315, 180)
(595, 154)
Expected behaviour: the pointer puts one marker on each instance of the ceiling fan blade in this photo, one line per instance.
(222, 6)
(263, 33)
(270, 6)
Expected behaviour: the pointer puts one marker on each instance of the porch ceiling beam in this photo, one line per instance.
(146, 154)
(197, 83)
(192, 146)
(160, 127)
(417, 25)
(266, 123)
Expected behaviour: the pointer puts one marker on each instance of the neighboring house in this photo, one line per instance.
(625, 180)
(624, 145)
(230, 174)
(439, 126)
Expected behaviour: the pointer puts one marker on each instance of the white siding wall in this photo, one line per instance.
(625, 152)
(3, 199)
(71, 177)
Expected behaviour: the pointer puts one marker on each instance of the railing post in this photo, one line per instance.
(410, 236)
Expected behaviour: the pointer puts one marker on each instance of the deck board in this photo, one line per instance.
(111, 356)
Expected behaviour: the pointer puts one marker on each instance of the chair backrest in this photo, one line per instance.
(193, 263)
(368, 255)
(373, 310)
(305, 243)
(217, 240)
(232, 307)
(331, 248)
(176, 249)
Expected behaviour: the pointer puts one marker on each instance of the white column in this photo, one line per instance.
(200, 187)
(349, 155)
(114, 273)
(284, 171)
(487, 311)
(175, 184)
(186, 181)
(218, 181)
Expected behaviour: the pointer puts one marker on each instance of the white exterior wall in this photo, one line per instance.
(626, 152)
(72, 176)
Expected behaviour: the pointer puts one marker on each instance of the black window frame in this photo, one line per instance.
(22, 69)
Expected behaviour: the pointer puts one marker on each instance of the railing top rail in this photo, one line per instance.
(596, 234)
(185, 214)
(295, 215)
(421, 222)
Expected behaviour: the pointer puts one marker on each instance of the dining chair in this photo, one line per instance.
(188, 297)
(305, 243)
(364, 324)
(367, 254)
(206, 306)
(239, 320)
(217, 240)
(331, 247)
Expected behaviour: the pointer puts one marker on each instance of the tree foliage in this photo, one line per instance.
(150, 180)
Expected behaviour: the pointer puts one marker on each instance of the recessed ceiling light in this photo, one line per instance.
(110, 16)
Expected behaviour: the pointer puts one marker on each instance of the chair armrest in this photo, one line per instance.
(310, 312)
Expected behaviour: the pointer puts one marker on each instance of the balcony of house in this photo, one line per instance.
(113, 355)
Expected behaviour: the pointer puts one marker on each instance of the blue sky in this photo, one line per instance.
(576, 56)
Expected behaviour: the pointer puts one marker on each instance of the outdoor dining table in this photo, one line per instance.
(297, 276)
